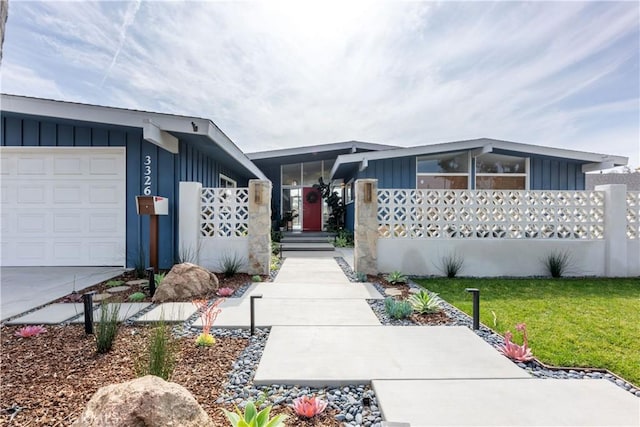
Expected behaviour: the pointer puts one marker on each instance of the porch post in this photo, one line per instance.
(615, 229)
(259, 226)
(189, 220)
(366, 226)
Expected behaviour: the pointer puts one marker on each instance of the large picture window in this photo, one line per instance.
(449, 171)
(500, 172)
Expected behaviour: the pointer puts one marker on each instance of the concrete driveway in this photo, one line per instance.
(24, 288)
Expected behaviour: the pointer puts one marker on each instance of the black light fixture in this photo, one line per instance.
(152, 281)
(476, 307)
(194, 126)
(252, 302)
(87, 299)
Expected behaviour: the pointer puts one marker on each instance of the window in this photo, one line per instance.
(226, 182)
(449, 171)
(348, 192)
(500, 172)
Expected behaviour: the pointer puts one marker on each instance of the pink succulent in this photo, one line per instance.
(225, 292)
(309, 407)
(30, 331)
(519, 353)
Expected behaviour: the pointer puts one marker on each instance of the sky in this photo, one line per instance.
(283, 74)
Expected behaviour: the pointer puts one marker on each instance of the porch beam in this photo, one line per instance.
(151, 132)
(487, 148)
(591, 167)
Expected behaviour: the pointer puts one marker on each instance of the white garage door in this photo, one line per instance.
(62, 206)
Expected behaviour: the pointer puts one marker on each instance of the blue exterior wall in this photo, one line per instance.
(545, 173)
(190, 164)
(350, 216)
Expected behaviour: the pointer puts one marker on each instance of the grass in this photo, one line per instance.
(571, 322)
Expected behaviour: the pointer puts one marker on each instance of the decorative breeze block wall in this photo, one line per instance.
(224, 212)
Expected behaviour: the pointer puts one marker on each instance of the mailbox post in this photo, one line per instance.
(153, 206)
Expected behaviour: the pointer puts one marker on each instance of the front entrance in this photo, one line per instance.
(311, 209)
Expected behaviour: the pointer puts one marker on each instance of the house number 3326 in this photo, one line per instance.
(146, 176)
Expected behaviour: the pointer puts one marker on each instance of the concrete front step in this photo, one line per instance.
(506, 402)
(307, 247)
(286, 312)
(306, 239)
(317, 356)
(301, 290)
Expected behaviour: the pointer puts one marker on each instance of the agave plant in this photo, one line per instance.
(309, 407)
(424, 302)
(519, 353)
(397, 309)
(396, 277)
(253, 418)
(225, 292)
(30, 331)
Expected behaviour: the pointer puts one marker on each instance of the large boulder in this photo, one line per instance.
(147, 401)
(185, 282)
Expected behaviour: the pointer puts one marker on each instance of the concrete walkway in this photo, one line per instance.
(24, 288)
(422, 375)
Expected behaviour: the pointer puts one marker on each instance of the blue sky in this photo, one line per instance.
(291, 73)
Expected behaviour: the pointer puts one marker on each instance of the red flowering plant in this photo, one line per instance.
(309, 407)
(519, 353)
(208, 314)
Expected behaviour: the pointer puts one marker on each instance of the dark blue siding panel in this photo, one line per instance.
(65, 136)
(12, 132)
(166, 188)
(555, 174)
(117, 138)
(82, 136)
(30, 133)
(571, 176)
(350, 216)
(48, 134)
(99, 137)
(392, 173)
(135, 246)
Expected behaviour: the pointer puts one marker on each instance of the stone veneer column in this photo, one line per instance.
(366, 226)
(259, 226)
(615, 229)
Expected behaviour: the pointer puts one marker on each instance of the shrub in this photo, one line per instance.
(424, 302)
(519, 353)
(450, 265)
(557, 263)
(30, 331)
(107, 327)
(189, 254)
(137, 297)
(362, 277)
(114, 283)
(160, 357)
(253, 418)
(309, 407)
(344, 239)
(397, 309)
(208, 314)
(231, 264)
(275, 248)
(396, 278)
(256, 278)
(158, 278)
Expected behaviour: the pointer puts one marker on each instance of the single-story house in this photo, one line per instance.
(71, 173)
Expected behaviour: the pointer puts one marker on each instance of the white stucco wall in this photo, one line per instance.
(489, 257)
(213, 250)
(633, 257)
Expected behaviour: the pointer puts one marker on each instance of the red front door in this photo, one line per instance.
(311, 209)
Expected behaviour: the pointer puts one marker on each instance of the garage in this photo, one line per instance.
(63, 206)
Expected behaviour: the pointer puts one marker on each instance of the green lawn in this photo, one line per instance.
(570, 322)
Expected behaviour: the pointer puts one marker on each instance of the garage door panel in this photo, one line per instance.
(71, 214)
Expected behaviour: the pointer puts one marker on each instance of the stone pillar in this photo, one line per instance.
(615, 229)
(259, 226)
(365, 249)
(190, 196)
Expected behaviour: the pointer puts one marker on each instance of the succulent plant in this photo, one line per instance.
(253, 418)
(397, 309)
(137, 297)
(362, 277)
(208, 314)
(519, 353)
(309, 407)
(30, 331)
(424, 302)
(396, 277)
(256, 278)
(114, 283)
(205, 340)
(225, 292)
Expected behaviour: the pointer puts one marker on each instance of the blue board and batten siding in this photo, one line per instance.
(167, 170)
(545, 173)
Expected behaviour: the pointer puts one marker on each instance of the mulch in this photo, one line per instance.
(49, 379)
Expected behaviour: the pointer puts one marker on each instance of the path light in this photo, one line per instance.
(476, 307)
(152, 281)
(87, 299)
(252, 300)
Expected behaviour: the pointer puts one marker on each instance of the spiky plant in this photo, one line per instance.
(397, 309)
(424, 302)
(557, 263)
(107, 327)
(137, 297)
(253, 418)
(450, 265)
(396, 277)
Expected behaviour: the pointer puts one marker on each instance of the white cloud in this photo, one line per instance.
(277, 74)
